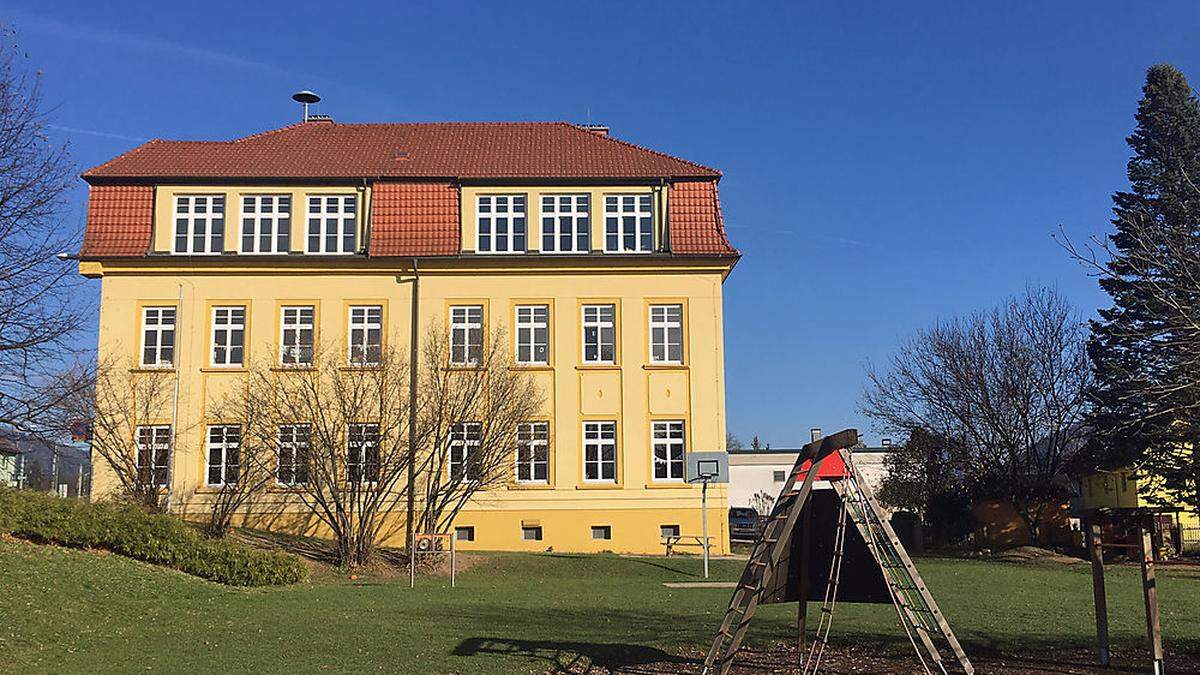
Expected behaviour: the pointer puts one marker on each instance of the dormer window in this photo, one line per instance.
(500, 223)
(199, 224)
(332, 223)
(566, 224)
(628, 223)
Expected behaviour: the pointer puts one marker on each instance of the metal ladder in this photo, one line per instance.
(918, 612)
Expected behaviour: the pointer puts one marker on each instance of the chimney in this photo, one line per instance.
(816, 433)
(598, 129)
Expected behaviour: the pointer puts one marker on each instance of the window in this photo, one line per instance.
(628, 224)
(153, 454)
(229, 337)
(533, 533)
(200, 224)
(602, 532)
(779, 476)
(362, 453)
(501, 223)
(566, 224)
(158, 337)
(668, 530)
(296, 335)
(332, 223)
(266, 223)
(466, 533)
(294, 446)
(668, 450)
(464, 446)
(533, 334)
(366, 335)
(600, 452)
(466, 335)
(224, 444)
(599, 334)
(533, 452)
(666, 334)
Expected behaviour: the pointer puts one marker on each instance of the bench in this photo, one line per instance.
(671, 541)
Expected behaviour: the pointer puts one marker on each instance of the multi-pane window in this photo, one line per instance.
(296, 326)
(464, 451)
(158, 337)
(531, 532)
(533, 334)
(668, 447)
(501, 223)
(229, 337)
(602, 532)
(600, 452)
(332, 223)
(666, 333)
(294, 446)
(200, 224)
(599, 334)
(224, 454)
(566, 223)
(362, 453)
(466, 335)
(628, 224)
(533, 452)
(153, 454)
(266, 223)
(366, 335)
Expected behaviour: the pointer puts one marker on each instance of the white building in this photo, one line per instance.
(763, 472)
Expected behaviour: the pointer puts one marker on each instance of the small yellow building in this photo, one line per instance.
(602, 260)
(1121, 489)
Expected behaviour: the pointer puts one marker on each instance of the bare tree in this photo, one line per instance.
(124, 406)
(1005, 391)
(474, 410)
(40, 310)
(340, 431)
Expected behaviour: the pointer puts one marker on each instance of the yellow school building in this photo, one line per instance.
(602, 261)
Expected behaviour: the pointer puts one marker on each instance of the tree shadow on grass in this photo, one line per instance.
(575, 657)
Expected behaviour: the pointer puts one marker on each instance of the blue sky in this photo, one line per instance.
(885, 165)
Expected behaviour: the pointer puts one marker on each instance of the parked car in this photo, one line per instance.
(744, 523)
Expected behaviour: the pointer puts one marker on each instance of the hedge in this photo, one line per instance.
(153, 538)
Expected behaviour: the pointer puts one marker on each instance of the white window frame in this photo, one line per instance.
(466, 335)
(624, 211)
(153, 441)
(465, 439)
(293, 440)
(362, 441)
(594, 328)
(268, 215)
(491, 210)
(202, 217)
(668, 437)
(568, 215)
(364, 321)
(229, 327)
(159, 328)
(596, 436)
(533, 451)
(221, 442)
(335, 214)
(293, 323)
(528, 325)
(666, 333)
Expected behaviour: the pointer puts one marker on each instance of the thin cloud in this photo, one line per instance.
(94, 132)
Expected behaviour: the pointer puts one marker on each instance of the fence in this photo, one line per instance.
(1190, 539)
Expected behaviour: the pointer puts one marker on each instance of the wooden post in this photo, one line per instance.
(1150, 595)
(802, 611)
(1096, 551)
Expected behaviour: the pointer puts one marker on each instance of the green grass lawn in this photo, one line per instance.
(72, 610)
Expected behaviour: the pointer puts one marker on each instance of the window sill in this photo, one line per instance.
(530, 486)
(293, 369)
(665, 366)
(666, 485)
(218, 369)
(532, 367)
(465, 367)
(598, 366)
(599, 486)
(360, 369)
(152, 369)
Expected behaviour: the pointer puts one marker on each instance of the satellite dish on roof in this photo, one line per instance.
(306, 97)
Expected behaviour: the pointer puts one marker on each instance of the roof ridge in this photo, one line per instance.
(123, 155)
(268, 132)
(643, 148)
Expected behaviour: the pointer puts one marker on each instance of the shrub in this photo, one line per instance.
(153, 538)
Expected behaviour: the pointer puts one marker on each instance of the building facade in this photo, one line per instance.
(603, 262)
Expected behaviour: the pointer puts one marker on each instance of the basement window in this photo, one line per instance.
(668, 530)
(602, 532)
(531, 533)
(466, 533)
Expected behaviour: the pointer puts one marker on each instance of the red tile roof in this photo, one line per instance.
(119, 220)
(324, 150)
(414, 219)
(696, 227)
